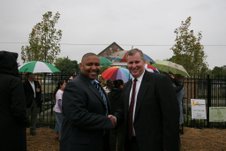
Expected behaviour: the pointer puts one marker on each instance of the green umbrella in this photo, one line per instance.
(105, 62)
(38, 67)
(170, 67)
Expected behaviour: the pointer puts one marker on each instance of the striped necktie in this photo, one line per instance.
(102, 94)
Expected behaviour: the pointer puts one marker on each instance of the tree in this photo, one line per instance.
(43, 40)
(188, 50)
(219, 71)
(67, 66)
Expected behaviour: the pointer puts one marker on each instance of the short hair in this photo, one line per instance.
(87, 55)
(135, 50)
(118, 83)
(28, 74)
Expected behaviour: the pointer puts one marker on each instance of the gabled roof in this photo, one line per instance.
(114, 47)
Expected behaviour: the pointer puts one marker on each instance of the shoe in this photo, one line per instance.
(181, 129)
(56, 136)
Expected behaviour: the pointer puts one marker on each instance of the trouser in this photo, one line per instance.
(132, 145)
(59, 120)
(32, 114)
(116, 139)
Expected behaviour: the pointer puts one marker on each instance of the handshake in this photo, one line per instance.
(113, 120)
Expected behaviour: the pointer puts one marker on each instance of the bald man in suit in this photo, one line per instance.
(86, 111)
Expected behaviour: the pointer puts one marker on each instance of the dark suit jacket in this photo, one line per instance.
(85, 122)
(29, 93)
(156, 115)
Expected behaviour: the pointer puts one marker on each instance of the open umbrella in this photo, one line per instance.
(115, 73)
(105, 62)
(120, 56)
(151, 68)
(38, 67)
(170, 67)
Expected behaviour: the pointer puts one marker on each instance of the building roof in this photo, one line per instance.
(114, 47)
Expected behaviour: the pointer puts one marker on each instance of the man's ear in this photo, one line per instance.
(80, 66)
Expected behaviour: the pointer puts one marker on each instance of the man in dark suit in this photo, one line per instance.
(32, 89)
(85, 109)
(151, 109)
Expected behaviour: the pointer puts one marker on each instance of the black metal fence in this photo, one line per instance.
(213, 90)
(48, 83)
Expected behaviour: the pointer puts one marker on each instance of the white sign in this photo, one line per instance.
(217, 114)
(198, 109)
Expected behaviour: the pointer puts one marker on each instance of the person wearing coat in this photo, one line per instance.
(86, 111)
(12, 105)
(152, 120)
(33, 92)
(116, 134)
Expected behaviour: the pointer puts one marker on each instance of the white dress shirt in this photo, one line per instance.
(138, 83)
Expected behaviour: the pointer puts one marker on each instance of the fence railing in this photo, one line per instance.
(213, 90)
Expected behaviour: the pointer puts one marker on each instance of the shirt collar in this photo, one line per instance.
(139, 78)
(95, 81)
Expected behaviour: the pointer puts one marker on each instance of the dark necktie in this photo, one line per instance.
(98, 87)
(130, 114)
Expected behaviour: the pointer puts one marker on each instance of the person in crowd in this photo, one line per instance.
(108, 86)
(32, 89)
(86, 110)
(12, 105)
(178, 84)
(151, 109)
(180, 97)
(72, 77)
(116, 134)
(58, 94)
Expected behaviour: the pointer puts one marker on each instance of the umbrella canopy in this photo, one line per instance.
(38, 67)
(170, 67)
(120, 56)
(151, 68)
(105, 62)
(116, 73)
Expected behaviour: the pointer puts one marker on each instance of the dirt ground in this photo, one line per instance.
(192, 140)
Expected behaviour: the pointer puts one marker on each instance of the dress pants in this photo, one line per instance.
(32, 113)
(132, 144)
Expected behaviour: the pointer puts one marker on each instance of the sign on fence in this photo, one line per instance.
(198, 109)
(217, 114)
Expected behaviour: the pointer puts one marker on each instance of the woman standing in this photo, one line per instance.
(58, 106)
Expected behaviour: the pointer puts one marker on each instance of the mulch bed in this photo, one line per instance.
(192, 140)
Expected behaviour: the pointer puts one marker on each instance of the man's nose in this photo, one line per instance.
(94, 66)
(134, 65)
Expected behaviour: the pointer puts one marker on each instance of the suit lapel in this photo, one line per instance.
(95, 91)
(91, 87)
(30, 87)
(141, 94)
(127, 94)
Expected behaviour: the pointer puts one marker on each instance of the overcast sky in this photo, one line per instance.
(145, 24)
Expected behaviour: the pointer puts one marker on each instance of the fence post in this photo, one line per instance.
(208, 98)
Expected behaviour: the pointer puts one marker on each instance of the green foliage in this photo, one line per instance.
(219, 71)
(67, 66)
(43, 40)
(188, 50)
